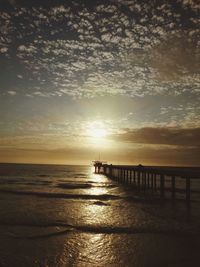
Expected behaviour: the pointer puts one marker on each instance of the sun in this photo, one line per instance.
(98, 133)
(97, 130)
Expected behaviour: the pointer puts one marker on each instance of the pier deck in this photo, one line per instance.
(150, 178)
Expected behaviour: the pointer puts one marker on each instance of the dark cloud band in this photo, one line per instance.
(161, 136)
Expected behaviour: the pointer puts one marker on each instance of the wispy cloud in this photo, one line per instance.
(12, 93)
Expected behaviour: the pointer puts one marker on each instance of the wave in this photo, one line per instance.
(104, 197)
(10, 181)
(74, 186)
(83, 185)
(61, 195)
(77, 175)
(100, 203)
(24, 182)
(96, 229)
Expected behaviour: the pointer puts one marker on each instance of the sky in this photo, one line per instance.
(119, 78)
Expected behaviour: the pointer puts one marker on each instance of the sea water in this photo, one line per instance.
(56, 216)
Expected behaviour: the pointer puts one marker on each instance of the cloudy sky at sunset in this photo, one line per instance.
(116, 77)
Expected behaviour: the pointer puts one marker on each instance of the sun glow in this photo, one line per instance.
(97, 130)
(98, 133)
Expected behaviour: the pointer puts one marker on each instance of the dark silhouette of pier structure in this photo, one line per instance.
(149, 178)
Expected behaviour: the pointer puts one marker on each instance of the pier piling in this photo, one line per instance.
(146, 178)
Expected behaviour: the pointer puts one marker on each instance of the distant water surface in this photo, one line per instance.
(60, 216)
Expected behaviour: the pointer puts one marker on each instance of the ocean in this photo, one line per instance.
(56, 216)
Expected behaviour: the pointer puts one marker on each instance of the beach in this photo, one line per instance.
(56, 215)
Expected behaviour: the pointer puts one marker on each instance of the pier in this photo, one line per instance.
(151, 179)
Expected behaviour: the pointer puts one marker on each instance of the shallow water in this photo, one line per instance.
(69, 216)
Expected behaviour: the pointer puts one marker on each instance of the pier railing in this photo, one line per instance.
(152, 179)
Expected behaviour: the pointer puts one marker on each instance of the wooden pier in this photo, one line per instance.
(150, 178)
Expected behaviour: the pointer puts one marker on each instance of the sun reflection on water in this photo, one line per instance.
(99, 178)
(94, 215)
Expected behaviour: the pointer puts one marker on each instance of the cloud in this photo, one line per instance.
(112, 48)
(3, 50)
(175, 57)
(176, 156)
(144, 155)
(12, 93)
(192, 4)
(161, 136)
(12, 2)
